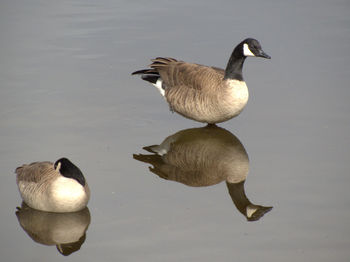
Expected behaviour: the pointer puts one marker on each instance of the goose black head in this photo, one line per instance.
(248, 47)
(252, 47)
(69, 170)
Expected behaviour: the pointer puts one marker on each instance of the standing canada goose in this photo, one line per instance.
(53, 187)
(203, 93)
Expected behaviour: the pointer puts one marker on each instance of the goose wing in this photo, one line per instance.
(35, 172)
(179, 74)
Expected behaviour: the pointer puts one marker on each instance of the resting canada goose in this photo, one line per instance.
(203, 93)
(53, 187)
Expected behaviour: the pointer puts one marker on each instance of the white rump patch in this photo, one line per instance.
(246, 50)
(159, 85)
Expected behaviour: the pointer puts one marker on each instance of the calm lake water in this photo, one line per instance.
(66, 90)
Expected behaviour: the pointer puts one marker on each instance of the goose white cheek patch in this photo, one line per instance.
(246, 50)
(58, 167)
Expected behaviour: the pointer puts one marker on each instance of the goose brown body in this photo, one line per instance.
(199, 92)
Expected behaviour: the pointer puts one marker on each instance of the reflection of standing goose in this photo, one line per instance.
(65, 230)
(205, 156)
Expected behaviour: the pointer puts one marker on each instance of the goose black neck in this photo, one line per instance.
(235, 64)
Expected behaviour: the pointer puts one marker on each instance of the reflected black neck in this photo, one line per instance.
(235, 64)
(238, 196)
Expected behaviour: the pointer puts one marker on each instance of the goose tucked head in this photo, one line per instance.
(69, 170)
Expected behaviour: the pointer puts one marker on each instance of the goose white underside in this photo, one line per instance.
(238, 92)
(63, 195)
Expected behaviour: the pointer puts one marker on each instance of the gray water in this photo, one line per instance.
(66, 90)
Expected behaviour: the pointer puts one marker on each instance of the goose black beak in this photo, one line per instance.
(263, 54)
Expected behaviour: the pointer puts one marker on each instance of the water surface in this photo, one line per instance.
(66, 90)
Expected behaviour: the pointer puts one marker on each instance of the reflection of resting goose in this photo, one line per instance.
(65, 230)
(205, 156)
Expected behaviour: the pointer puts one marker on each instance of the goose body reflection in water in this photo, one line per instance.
(65, 230)
(205, 156)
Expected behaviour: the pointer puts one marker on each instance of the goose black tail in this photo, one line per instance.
(149, 75)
